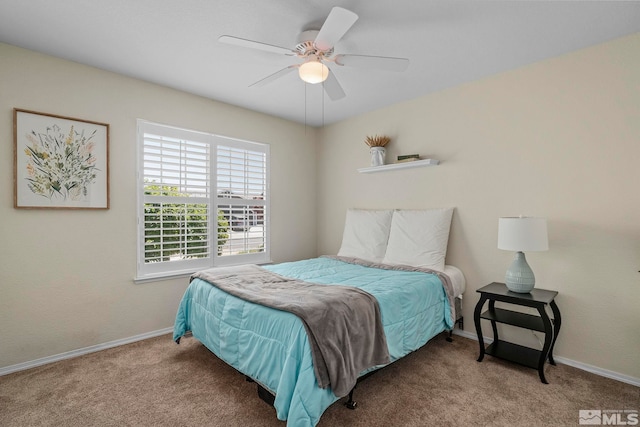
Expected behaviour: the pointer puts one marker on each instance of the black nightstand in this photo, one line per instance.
(537, 298)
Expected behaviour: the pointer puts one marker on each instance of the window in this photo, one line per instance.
(203, 201)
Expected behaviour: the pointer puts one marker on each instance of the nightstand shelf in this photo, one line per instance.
(519, 354)
(538, 299)
(514, 318)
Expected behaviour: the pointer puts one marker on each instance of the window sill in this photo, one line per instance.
(182, 274)
(158, 278)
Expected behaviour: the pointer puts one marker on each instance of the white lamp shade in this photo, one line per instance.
(522, 234)
(313, 71)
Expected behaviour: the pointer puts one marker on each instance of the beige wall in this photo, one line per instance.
(558, 139)
(66, 277)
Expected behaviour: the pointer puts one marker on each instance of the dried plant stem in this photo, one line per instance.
(377, 141)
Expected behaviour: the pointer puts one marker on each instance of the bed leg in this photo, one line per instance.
(351, 404)
(460, 326)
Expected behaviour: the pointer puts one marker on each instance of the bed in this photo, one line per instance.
(272, 347)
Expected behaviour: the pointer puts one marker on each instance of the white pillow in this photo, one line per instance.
(419, 238)
(366, 233)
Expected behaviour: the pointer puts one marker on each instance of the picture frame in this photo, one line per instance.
(59, 162)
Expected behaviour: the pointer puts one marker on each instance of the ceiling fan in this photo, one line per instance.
(315, 49)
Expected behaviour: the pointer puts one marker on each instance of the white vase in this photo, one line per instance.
(377, 155)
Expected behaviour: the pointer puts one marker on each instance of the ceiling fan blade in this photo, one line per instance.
(333, 88)
(377, 62)
(335, 26)
(237, 41)
(274, 76)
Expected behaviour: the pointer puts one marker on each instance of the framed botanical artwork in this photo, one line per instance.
(60, 162)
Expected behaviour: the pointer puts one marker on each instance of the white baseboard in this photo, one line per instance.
(75, 353)
(599, 371)
(82, 351)
(583, 366)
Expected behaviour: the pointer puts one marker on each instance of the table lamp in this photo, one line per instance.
(521, 234)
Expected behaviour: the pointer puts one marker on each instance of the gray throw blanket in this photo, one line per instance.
(343, 323)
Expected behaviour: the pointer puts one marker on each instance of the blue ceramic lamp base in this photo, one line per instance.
(519, 277)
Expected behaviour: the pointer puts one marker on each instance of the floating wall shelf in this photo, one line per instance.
(403, 165)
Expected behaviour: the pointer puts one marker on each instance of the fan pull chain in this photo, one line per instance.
(305, 108)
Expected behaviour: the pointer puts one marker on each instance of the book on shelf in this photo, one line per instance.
(408, 158)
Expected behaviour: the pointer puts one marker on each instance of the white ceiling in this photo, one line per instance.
(174, 43)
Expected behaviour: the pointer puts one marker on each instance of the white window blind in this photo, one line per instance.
(203, 201)
(241, 186)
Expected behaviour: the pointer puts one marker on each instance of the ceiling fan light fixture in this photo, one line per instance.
(313, 71)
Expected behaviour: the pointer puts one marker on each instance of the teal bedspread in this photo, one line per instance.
(271, 346)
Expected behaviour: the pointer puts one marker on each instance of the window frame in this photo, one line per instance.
(175, 268)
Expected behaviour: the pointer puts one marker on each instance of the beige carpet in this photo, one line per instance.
(158, 383)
